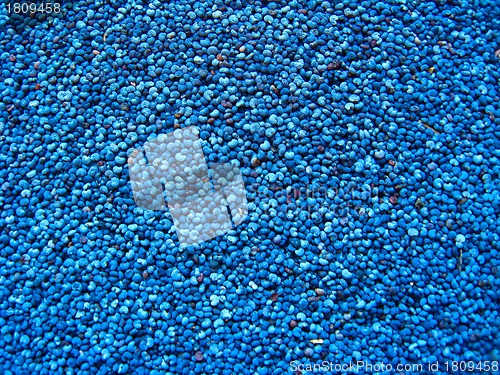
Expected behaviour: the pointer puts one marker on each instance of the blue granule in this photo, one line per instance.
(367, 134)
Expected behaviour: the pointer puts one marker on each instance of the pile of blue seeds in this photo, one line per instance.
(367, 134)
